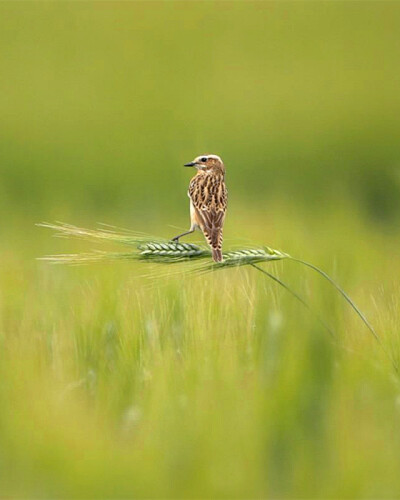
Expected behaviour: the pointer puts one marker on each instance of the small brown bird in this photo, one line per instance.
(208, 199)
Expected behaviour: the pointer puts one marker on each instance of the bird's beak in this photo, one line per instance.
(190, 164)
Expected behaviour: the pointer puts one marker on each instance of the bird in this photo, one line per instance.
(208, 201)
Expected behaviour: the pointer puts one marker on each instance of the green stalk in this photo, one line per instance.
(352, 304)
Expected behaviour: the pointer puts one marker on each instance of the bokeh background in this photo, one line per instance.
(101, 104)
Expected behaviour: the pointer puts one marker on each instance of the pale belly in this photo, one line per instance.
(193, 221)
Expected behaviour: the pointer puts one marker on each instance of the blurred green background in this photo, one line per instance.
(101, 104)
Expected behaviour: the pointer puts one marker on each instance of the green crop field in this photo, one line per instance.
(130, 379)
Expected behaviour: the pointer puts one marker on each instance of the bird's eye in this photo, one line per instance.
(204, 159)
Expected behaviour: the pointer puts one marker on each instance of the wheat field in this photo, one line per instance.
(118, 383)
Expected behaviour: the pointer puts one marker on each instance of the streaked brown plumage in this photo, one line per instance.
(208, 200)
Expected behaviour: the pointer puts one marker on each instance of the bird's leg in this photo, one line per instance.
(191, 230)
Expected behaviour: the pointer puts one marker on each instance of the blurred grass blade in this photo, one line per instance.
(296, 296)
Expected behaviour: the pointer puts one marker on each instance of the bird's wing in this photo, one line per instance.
(209, 197)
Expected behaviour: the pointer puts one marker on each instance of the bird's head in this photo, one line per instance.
(207, 163)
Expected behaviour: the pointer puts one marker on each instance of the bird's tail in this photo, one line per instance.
(217, 254)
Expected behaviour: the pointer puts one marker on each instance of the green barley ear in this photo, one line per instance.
(169, 252)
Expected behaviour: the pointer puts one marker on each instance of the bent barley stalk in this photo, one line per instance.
(146, 248)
